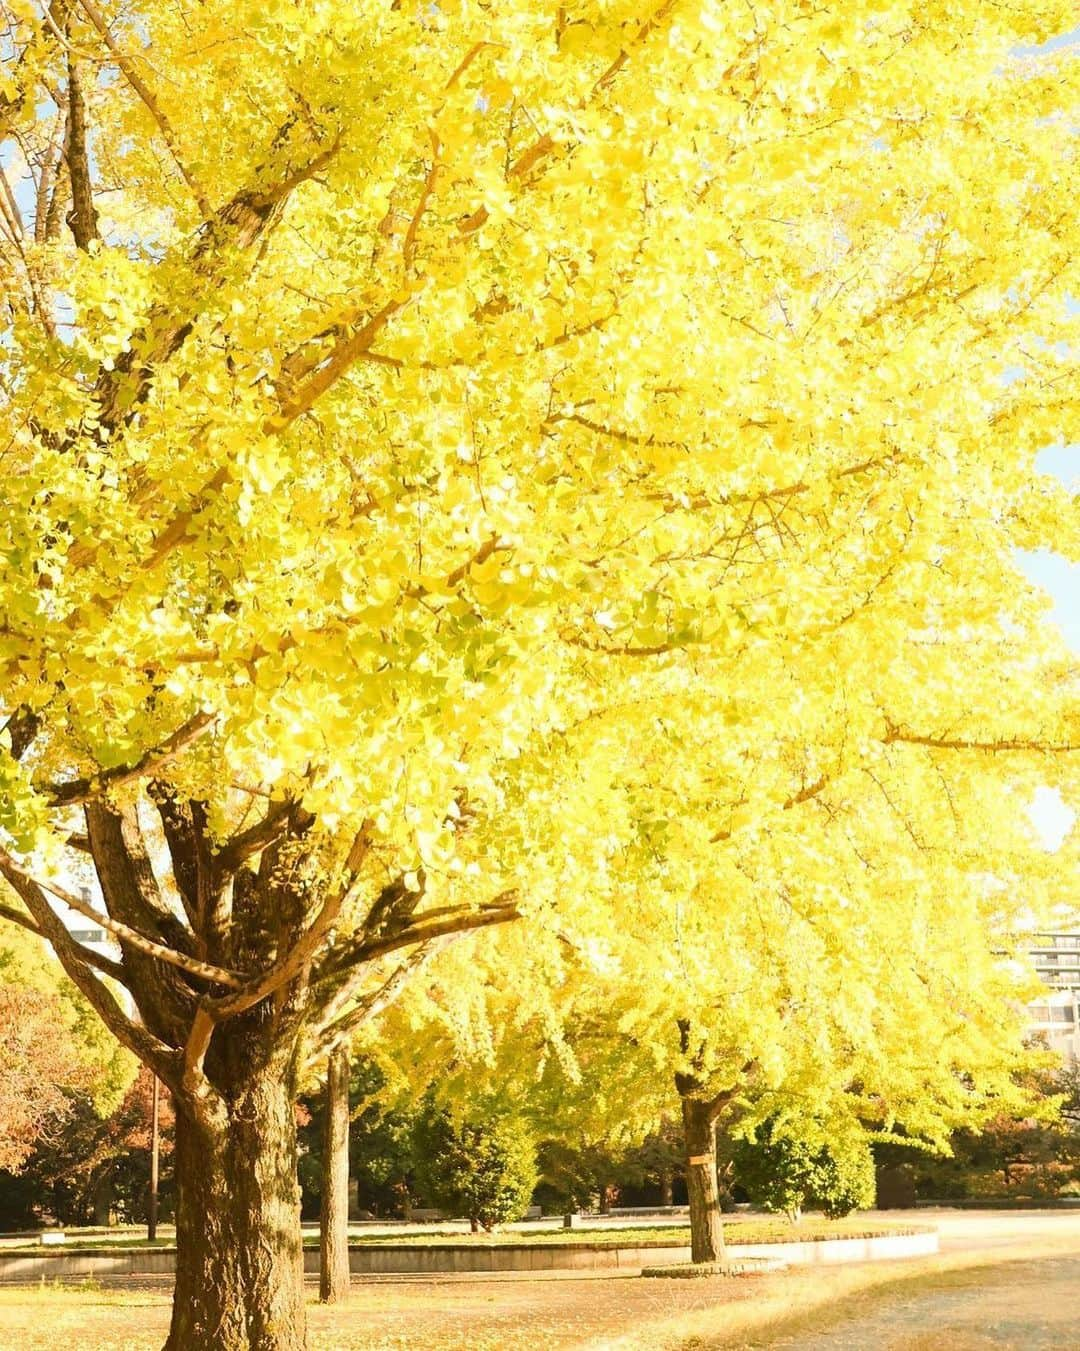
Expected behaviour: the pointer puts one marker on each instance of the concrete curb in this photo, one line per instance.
(459, 1258)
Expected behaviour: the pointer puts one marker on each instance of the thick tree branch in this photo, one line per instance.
(131, 937)
(499, 911)
(82, 217)
(184, 825)
(338, 1021)
(196, 1087)
(255, 839)
(22, 727)
(330, 367)
(299, 956)
(96, 959)
(9, 913)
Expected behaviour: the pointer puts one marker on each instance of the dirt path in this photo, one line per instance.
(1021, 1306)
(1026, 1300)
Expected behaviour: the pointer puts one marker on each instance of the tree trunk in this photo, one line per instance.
(239, 1259)
(666, 1190)
(706, 1228)
(103, 1197)
(334, 1211)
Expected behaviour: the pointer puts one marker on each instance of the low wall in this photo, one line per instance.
(822, 1251)
(1003, 1203)
(402, 1260)
(59, 1265)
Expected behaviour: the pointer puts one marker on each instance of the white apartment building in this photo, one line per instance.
(1057, 1016)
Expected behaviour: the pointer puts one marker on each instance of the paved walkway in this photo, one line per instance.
(1025, 1306)
(1025, 1301)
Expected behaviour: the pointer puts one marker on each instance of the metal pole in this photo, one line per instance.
(151, 1218)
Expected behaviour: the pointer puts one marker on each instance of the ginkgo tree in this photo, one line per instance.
(388, 388)
(853, 959)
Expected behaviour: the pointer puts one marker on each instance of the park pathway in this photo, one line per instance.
(1022, 1306)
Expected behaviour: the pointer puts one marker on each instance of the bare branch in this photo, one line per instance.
(125, 934)
(895, 734)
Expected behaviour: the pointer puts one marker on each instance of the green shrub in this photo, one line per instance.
(783, 1168)
(482, 1170)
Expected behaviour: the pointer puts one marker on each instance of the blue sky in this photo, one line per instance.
(1055, 574)
(1054, 45)
(1060, 579)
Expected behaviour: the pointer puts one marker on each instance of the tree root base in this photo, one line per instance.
(745, 1266)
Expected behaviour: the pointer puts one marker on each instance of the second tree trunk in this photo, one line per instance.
(706, 1229)
(334, 1214)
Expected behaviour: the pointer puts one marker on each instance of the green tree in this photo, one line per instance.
(380, 1148)
(785, 1165)
(483, 1169)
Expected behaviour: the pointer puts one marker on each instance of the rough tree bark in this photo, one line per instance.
(239, 1265)
(706, 1225)
(334, 1211)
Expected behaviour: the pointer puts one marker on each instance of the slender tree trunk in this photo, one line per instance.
(334, 1212)
(239, 1261)
(103, 1197)
(155, 1152)
(706, 1227)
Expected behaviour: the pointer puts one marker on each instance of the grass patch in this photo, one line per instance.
(811, 1229)
(612, 1312)
(738, 1231)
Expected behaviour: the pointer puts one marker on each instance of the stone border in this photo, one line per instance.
(387, 1259)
